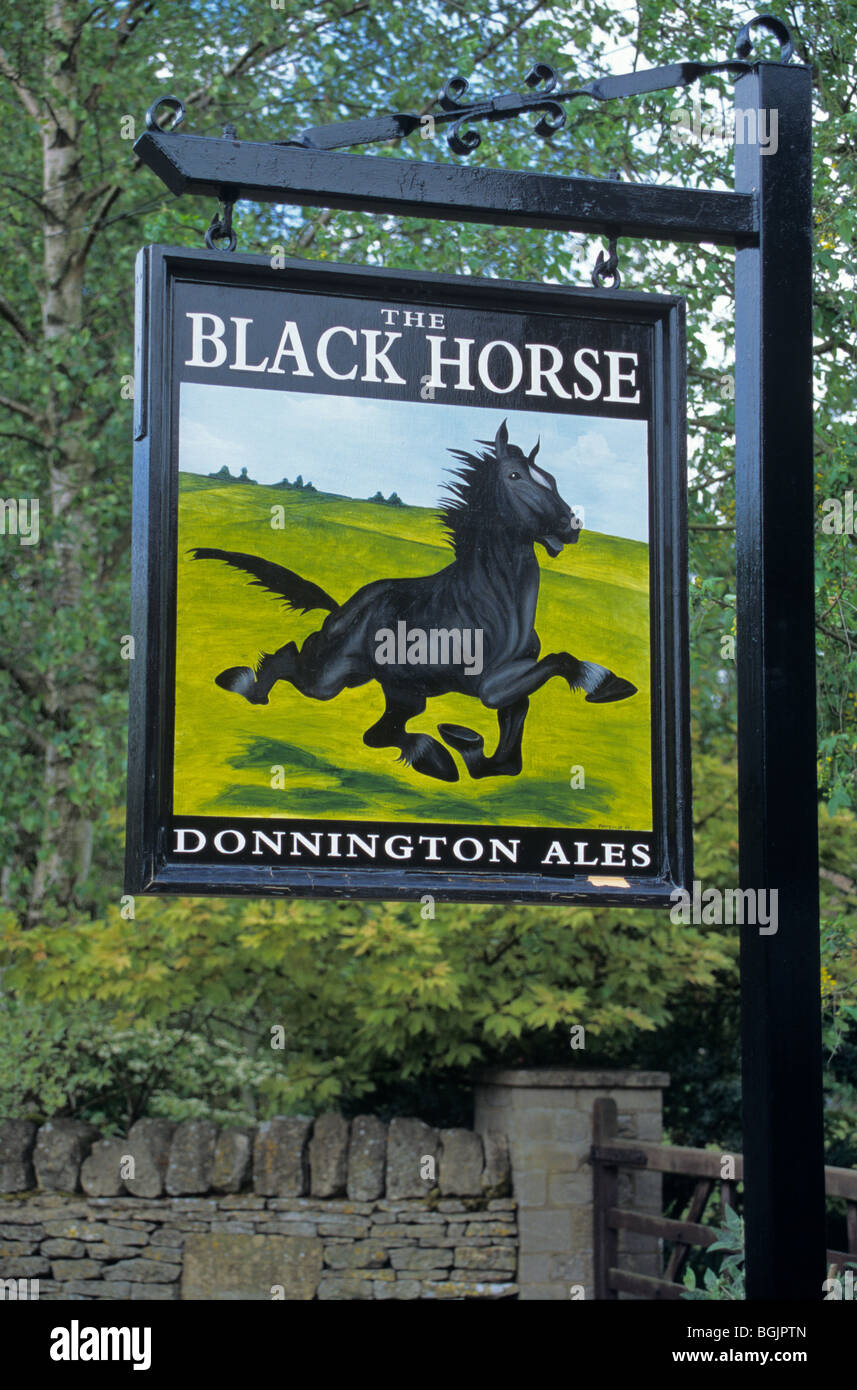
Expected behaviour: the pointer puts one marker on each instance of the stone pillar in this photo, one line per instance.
(546, 1114)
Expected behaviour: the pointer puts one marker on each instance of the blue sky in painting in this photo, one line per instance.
(354, 446)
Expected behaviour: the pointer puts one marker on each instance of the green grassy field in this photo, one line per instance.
(593, 602)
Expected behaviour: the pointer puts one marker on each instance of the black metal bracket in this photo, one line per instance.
(315, 170)
(548, 100)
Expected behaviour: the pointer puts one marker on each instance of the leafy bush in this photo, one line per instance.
(54, 1061)
(728, 1281)
(181, 1002)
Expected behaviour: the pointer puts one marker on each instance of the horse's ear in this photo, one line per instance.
(501, 439)
(535, 450)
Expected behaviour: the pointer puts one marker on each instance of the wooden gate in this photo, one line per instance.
(611, 1154)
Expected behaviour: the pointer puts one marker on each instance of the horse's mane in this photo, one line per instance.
(467, 498)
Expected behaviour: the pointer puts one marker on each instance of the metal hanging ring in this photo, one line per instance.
(769, 22)
(172, 104)
(606, 268)
(220, 230)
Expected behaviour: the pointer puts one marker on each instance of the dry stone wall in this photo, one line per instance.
(297, 1209)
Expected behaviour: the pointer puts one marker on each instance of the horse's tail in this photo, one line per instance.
(296, 593)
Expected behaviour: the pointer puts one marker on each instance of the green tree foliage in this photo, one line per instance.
(365, 994)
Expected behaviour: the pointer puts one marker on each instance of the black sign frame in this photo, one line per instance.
(152, 866)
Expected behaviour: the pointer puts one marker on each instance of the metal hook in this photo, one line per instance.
(220, 227)
(607, 268)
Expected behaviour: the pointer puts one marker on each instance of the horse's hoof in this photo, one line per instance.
(463, 740)
(241, 681)
(429, 757)
(611, 688)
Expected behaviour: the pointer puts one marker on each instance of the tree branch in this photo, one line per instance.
(126, 24)
(27, 685)
(126, 27)
(507, 33)
(33, 735)
(721, 805)
(24, 439)
(23, 193)
(98, 221)
(707, 422)
(15, 321)
(255, 55)
(841, 881)
(837, 636)
(23, 93)
(21, 409)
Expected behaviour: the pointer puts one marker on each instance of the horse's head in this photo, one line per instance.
(528, 500)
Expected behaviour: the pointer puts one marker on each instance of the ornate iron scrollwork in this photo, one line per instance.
(502, 107)
(549, 99)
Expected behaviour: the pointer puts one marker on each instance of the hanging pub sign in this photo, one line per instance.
(409, 586)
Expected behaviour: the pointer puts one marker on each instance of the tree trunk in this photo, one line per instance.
(66, 841)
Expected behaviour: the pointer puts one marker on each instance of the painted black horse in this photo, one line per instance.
(499, 507)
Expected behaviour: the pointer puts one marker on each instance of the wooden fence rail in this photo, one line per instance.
(609, 1154)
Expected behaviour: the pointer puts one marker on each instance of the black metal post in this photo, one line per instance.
(780, 988)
